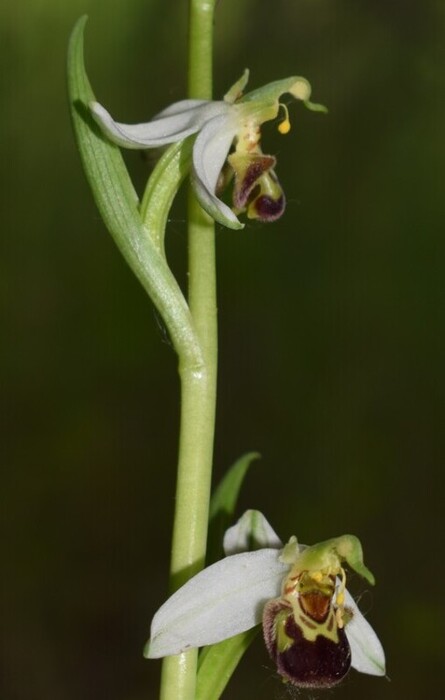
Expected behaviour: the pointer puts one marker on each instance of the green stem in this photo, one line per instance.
(200, 78)
(198, 388)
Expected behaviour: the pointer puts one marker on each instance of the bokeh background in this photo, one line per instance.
(331, 331)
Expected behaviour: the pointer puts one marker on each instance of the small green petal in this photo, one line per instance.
(291, 551)
(314, 107)
(235, 92)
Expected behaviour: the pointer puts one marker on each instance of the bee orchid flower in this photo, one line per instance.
(228, 134)
(312, 626)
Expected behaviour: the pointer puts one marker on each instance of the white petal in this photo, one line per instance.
(173, 124)
(252, 531)
(181, 106)
(367, 655)
(209, 154)
(219, 602)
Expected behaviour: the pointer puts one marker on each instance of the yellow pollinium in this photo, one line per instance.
(284, 126)
(317, 576)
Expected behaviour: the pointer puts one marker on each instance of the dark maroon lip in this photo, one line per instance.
(317, 662)
(269, 209)
(243, 189)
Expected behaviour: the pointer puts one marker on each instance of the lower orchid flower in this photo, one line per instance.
(312, 626)
(234, 121)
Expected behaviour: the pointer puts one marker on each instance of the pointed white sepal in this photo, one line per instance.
(219, 602)
(367, 655)
(252, 531)
(209, 155)
(175, 123)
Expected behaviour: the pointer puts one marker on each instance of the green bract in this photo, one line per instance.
(139, 238)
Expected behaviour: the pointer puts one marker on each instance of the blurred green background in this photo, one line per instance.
(331, 332)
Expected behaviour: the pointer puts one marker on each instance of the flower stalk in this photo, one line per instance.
(198, 384)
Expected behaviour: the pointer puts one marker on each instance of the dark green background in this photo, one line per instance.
(331, 337)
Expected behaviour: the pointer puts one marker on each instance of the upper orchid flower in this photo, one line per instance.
(312, 627)
(234, 121)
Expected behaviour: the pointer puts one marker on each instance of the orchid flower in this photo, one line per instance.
(312, 626)
(219, 125)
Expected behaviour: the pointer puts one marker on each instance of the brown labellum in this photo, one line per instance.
(308, 654)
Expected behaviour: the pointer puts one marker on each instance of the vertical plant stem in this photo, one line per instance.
(198, 383)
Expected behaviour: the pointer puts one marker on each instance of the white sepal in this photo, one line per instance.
(209, 155)
(175, 123)
(219, 602)
(367, 655)
(252, 531)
